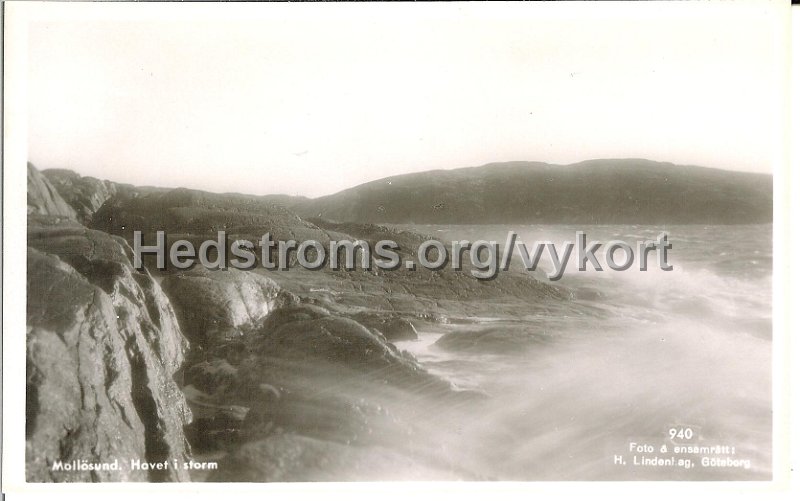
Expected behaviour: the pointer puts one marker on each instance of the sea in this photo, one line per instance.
(669, 379)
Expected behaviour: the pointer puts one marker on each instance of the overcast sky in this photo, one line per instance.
(310, 101)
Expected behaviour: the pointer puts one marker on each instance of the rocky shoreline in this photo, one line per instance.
(280, 376)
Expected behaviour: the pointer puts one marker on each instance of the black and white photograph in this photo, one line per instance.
(367, 242)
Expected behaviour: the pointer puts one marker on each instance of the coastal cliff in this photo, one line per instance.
(103, 348)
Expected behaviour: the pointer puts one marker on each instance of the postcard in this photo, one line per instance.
(514, 246)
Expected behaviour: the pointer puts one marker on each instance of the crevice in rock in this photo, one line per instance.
(155, 447)
(146, 283)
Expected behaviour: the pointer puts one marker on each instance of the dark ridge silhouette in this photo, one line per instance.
(630, 191)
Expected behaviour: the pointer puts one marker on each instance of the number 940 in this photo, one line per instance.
(681, 433)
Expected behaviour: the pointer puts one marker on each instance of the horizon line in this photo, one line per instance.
(498, 163)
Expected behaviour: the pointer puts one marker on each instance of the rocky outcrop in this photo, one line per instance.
(198, 213)
(392, 327)
(305, 331)
(84, 194)
(218, 305)
(397, 302)
(103, 348)
(288, 364)
(306, 370)
(517, 337)
(43, 198)
(495, 339)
